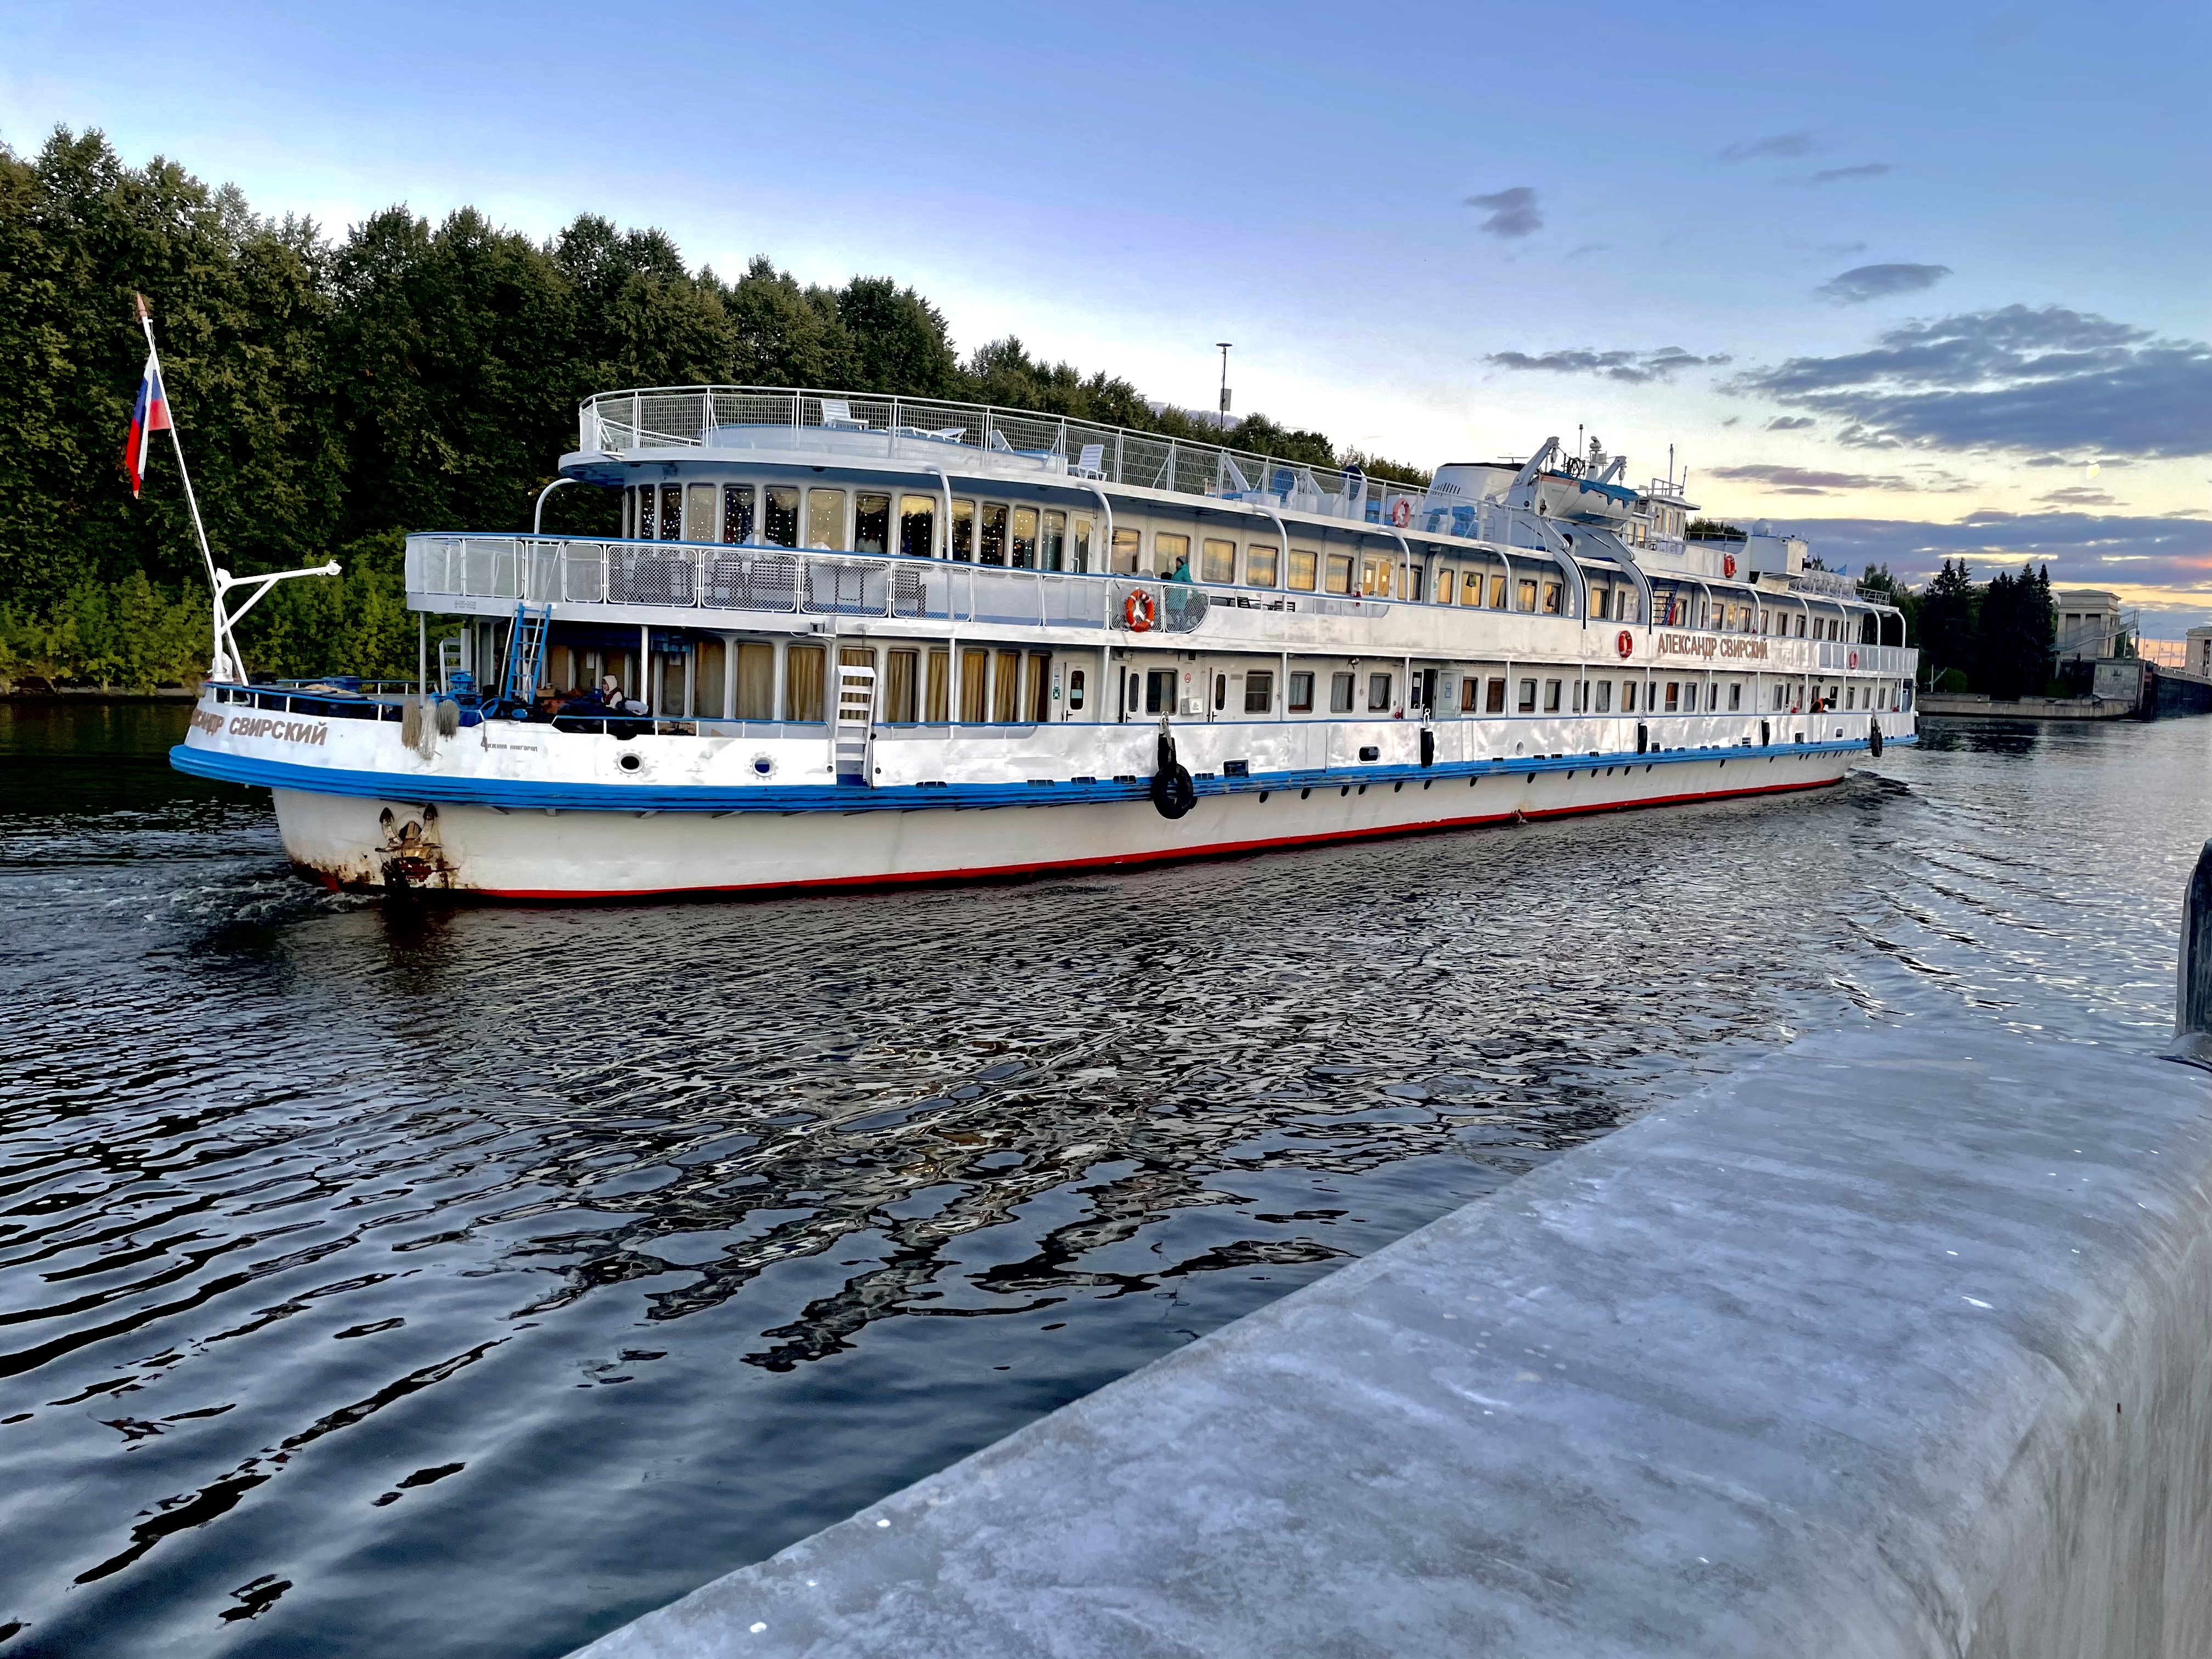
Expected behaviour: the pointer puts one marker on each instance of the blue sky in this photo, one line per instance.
(1921, 280)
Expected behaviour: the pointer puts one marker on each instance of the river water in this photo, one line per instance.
(466, 1282)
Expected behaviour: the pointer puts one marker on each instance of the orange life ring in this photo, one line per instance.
(1728, 564)
(1625, 643)
(1140, 611)
(1401, 512)
(1855, 659)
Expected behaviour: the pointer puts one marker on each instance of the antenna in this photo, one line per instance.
(1221, 422)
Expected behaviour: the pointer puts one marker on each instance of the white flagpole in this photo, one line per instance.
(224, 666)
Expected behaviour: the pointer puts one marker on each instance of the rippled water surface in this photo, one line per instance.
(464, 1282)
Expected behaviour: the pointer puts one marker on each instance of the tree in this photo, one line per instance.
(1948, 615)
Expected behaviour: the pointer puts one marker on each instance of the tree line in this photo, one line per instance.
(336, 392)
(2000, 637)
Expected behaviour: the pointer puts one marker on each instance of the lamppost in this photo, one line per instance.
(1221, 422)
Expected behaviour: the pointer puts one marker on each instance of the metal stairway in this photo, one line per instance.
(856, 719)
(526, 652)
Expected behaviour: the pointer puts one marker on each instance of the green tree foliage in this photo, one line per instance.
(1948, 613)
(2019, 626)
(335, 394)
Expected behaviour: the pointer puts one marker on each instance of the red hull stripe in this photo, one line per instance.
(1218, 849)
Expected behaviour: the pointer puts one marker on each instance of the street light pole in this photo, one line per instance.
(1221, 421)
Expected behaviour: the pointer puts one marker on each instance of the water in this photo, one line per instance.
(466, 1282)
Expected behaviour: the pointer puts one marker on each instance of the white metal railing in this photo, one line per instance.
(1842, 657)
(911, 428)
(1828, 583)
(776, 580)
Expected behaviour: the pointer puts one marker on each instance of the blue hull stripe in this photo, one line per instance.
(514, 795)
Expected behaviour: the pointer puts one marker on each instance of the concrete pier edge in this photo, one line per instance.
(1896, 1342)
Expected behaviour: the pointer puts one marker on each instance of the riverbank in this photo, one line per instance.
(34, 689)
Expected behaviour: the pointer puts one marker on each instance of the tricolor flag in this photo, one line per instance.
(151, 415)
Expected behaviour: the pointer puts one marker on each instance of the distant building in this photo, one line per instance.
(2199, 660)
(2088, 624)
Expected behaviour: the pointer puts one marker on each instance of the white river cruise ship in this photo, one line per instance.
(857, 640)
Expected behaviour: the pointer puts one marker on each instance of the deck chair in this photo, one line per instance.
(838, 413)
(1091, 464)
(999, 442)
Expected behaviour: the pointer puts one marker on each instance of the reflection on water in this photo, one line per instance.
(463, 1282)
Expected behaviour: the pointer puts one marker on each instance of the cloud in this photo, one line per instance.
(2083, 549)
(1864, 283)
(1790, 423)
(2041, 381)
(1589, 247)
(1805, 480)
(1512, 212)
(2104, 461)
(1780, 143)
(1633, 366)
(1863, 170)
(2077, 495)
(1842, 250)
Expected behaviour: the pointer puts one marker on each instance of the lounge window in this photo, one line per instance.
(1086, 534)
(1674, 696)
(1605, 697)
(872, 524)
(1628, 696)
(1302, 688)
(1736, 695)
(1712, 696)
(1410, 584)
(1024, 547)
(1159, 690)
(963, 531)
(1470, 587)
(1493, 698)
(782, 528)
(974, 686)
(737, 512)
(1303, 563)
(1007, 687)
(1525, 596)
(1217, 561)
(937, 691)
(994, 539)
(1258, 692)
(1258, 565)
(1528, 701)
(918, 526)
(1051, 541)
(1127, 545)
(1800, 625)
(1553, 592)
(1076, 679)
(901, 669)
(1169, 552)
(1340, 694)
(1339, 573)
(757, 682)
(1498, 592)
(1444, 579)
(1220, 692)
(802, 684)
(1550, 697)
(672, 512)
(825, 519)
(1378, 693)
(1039, 686)
(1600, 599)
(1470, 696)
(1375, 578)
(644, 515)
(698, 512)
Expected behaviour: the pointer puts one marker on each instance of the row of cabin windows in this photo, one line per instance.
(1048, 538)
(1006, 686)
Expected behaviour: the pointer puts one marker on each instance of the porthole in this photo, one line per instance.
(629, 760)
(763, 766)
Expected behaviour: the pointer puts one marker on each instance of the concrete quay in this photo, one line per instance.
(1897, 1342)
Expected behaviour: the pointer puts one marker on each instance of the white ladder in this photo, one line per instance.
(856, 721)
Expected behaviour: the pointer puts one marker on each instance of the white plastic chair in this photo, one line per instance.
(837, 412)
(1091, 464)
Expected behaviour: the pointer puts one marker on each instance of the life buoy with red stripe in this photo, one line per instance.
(1401, 512)
(1140, 611)
(1728, 564)
(1625, 643)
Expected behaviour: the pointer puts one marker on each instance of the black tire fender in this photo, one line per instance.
(1173, 792)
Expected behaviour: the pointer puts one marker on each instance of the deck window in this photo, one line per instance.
(1006, 689)
(1258, 692)
(963, 531)
(898, 696)
(1552, 696)
(641, 512)
(1217, 561)
(1168, 552)
(974, 686)
(780, 528)
(1024, 542)
(1605, 697)
(1375, 578)
(1302, 688)
(756, 681)
(1674, 696)
(708, 662)
(1339, 573)
(698, 512)
(1303, 562)
(1470, 587)
(736, 513)
(825, 519)
(670, 517)
(1527, 703)
(937, 690)
(1800, 625)
(1525, 599)
(1260, 565)
(1040, 686)
(1445, 580)
(1736, 695)
(872, 524)
(1553, 592)
(1159, 690)
(1628, 696)
(1498, 592)
(1378, 693)
(1051, 541)
(1128, 545)
(918, 526)
(1470, 696)
(802, 684)
(1493, 696)
(1077, 679)
(1340, 694)
(1085, 537)
(1600, 600)
(994, 539)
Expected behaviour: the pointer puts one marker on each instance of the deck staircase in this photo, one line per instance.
(856, 721)
(526, 652)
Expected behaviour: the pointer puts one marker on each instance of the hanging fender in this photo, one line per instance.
(1173, 792)
(1874, 740)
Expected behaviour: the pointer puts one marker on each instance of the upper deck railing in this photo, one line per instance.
(931, 430)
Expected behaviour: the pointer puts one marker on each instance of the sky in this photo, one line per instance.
(1918, 281)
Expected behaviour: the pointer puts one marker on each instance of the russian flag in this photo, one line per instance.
(151, 415)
